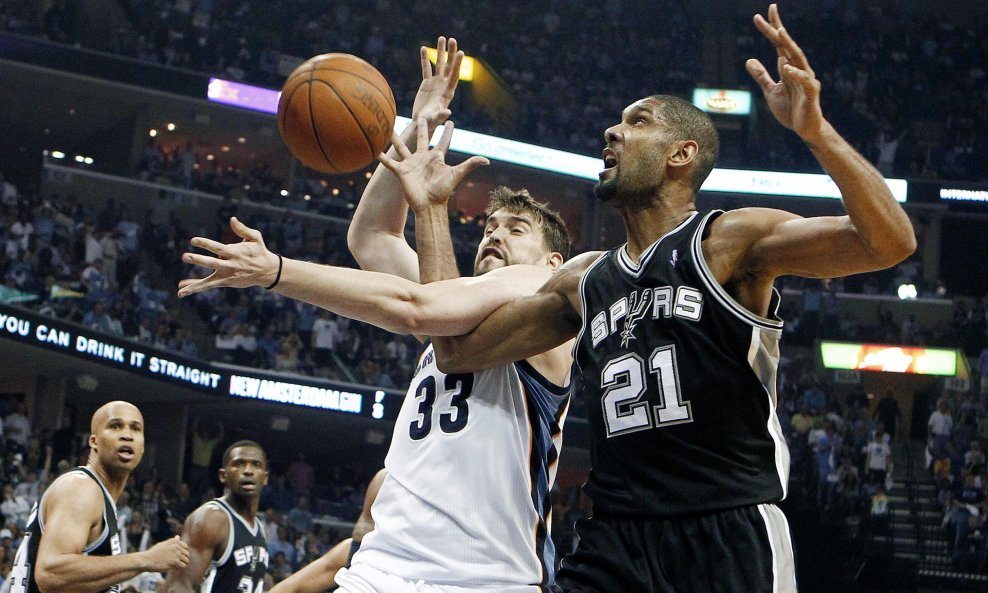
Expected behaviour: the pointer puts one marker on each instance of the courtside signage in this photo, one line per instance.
(726, 101)
(73, 340)
(889, 358)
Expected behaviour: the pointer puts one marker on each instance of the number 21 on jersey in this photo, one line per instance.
(625, 383)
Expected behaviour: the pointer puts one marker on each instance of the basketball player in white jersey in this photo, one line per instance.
(442, 522)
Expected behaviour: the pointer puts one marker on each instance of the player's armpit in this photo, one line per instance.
(205, 532)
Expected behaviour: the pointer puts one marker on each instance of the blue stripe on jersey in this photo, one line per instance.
(546, 404)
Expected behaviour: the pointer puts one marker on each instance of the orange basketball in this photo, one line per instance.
(336, 113)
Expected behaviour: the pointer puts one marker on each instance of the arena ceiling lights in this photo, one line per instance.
(736, 181)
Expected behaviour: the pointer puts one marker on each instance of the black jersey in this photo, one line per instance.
(243, 564)
(107, 544)
(680, 383)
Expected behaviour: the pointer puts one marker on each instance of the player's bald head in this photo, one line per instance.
(114, 409)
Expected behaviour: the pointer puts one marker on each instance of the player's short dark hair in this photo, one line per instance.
(227, 455)
(688, 122)
(554, 233)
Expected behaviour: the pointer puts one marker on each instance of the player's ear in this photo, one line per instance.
(92, 442)
(222, 476)
(555, 260)
(684, 153)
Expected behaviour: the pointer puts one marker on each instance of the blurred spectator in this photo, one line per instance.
(17, 426)
(300, 475)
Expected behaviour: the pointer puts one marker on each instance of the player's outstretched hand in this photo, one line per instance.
(425, 177)
(795, 99)
(168, 555)
(237, 265)
(437, 88)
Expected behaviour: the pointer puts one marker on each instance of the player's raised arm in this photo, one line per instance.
(376, 237)
(452, 307)
(205, 533)
(875, 234)
(72, 507)
(523, 328)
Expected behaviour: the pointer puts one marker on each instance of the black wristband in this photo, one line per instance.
(277, 278)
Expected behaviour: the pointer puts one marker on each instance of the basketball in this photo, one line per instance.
(336, 113)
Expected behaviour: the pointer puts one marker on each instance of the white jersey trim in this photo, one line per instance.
(725, 299)
(635, 269)
(773, 425)
(783, 560)
(583, 307)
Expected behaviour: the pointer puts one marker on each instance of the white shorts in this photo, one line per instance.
(363, 578)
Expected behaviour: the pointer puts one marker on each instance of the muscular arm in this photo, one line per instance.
(523, 328)
(395, 304)
(376, 237)
(205, 532)
(318, 575)
(875, 234)
(73, 508)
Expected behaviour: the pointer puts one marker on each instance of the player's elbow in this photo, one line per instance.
(898, 247)
(359, 245)
(48, 580)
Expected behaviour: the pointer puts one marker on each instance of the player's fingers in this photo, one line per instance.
(424, 61)
(245, 232)
(440, 55)
(798, 58)
(451, 53)
(208, 244)
(447, 136)
(423, 134)
(213, 263)
(454, 74)
(389, 163)
(189, 288)
(773, 15)
(399, 146)
(759, 74)
(468, 166)
(803, 79)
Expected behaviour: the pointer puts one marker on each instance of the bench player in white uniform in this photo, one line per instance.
(473, 457)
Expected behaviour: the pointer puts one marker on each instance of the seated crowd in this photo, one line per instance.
(898, 68)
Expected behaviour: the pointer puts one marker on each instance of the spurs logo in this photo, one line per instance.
(639, 302)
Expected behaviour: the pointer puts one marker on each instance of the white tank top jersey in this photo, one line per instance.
(471, 463)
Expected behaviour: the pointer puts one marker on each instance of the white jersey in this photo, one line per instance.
(471, 463)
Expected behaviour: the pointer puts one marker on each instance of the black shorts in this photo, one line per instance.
(743, 550)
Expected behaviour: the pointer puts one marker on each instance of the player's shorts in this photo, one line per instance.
(363, 578)
(743, 550)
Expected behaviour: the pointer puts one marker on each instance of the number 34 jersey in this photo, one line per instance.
(680, 382)
(471, 463)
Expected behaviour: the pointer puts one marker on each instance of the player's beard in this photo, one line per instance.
(606, 190)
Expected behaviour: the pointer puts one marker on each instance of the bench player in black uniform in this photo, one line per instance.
(678, 343)
(72, 541)
(228, 549)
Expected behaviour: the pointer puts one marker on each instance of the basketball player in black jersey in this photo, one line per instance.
(226, 540)
(320, 574)
(677, 343)
(72, 541)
